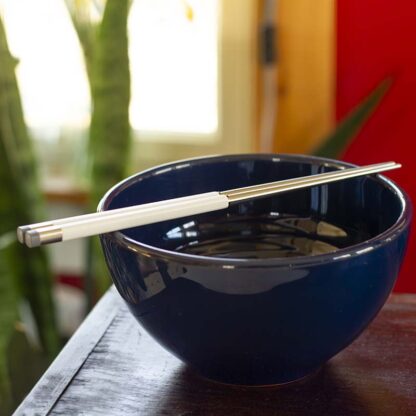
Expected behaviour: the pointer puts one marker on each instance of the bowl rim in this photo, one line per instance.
(345, 253)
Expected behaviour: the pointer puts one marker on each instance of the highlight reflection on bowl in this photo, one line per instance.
(270, 289)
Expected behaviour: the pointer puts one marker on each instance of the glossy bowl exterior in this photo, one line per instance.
(258, 322)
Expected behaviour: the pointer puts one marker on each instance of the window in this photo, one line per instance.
(52, 80)
(174, 66)
(192, 74)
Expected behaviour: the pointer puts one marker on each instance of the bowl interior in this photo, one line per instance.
(308, 221)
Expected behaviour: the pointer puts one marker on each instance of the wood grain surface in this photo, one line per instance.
(126, 373)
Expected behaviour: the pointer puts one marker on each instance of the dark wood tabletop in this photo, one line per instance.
(112, 367)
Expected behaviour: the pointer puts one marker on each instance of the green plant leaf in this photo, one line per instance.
(335, 144)
(21, 202)
(8, 318)
(85, 27)
(110, 136)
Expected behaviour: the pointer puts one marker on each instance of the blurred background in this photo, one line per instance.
(92, 91)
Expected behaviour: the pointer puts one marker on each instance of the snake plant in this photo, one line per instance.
(105, 47)
(25, 275)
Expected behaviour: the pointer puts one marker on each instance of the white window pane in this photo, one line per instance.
(51, 73)
(174, 65)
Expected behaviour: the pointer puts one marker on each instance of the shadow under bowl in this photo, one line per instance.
(268, 290)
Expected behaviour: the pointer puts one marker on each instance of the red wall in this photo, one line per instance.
(377, 39)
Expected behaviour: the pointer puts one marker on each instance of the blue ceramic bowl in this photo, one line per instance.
(259, 293)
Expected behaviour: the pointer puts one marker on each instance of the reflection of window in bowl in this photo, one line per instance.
(327, 259)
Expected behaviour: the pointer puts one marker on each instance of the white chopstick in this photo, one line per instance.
(22, 230)
(64, 229)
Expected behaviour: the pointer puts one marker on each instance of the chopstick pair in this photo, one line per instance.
(65, 229)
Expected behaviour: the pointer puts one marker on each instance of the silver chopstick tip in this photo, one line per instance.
(24, 229)
(32, 238)
(392, 167)
(41, 236)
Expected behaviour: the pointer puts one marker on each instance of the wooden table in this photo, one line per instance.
(112, 367)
